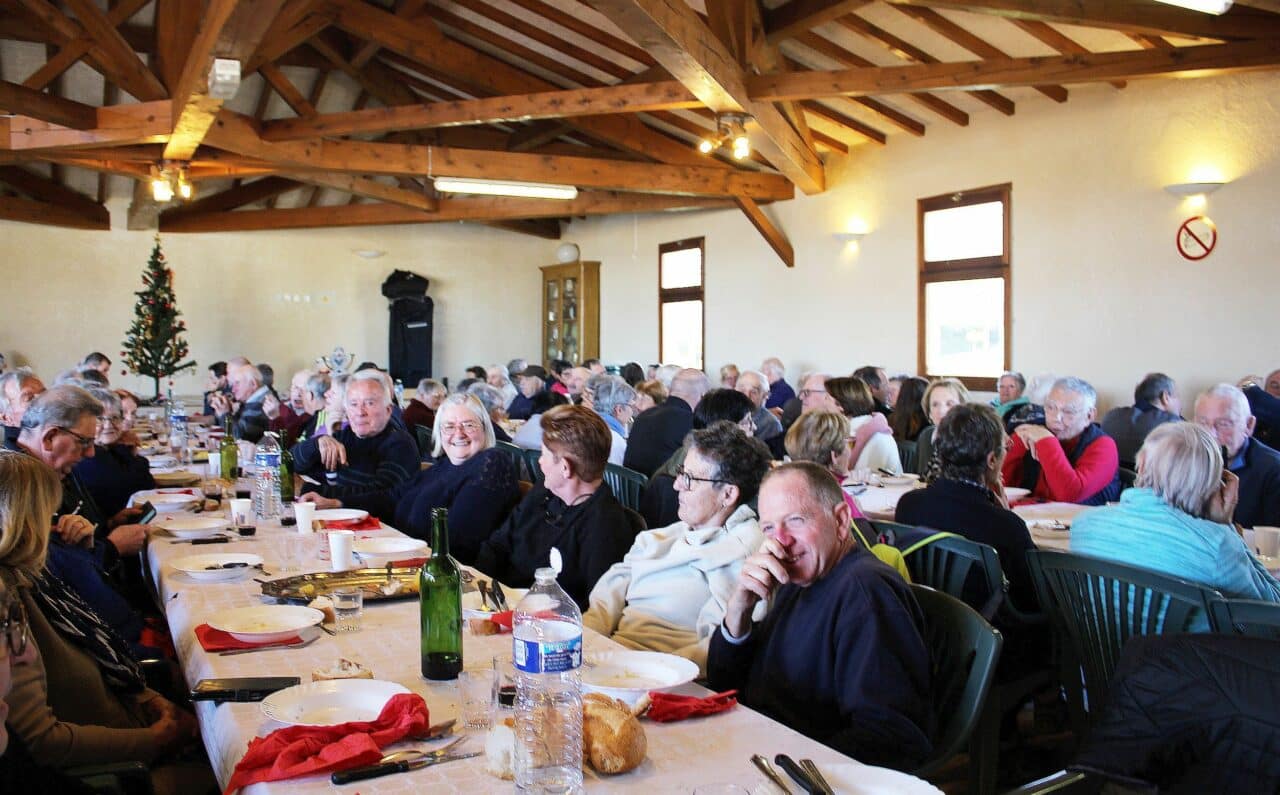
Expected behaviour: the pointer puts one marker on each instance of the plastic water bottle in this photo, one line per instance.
(178, 430)
(547, 655)
(266, 478)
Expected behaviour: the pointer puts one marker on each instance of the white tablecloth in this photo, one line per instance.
(681, 755)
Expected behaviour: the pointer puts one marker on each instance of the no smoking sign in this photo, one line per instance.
(1196, 237)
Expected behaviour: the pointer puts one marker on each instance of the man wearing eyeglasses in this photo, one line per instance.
(1069, 458)
(1223, 410)
(372, 454)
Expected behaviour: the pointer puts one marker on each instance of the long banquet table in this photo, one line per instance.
(681, 755)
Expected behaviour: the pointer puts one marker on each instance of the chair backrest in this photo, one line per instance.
(531, 464)
(627, 484)
(516, 454)
(1245, 617)
(638, 524)
(1097, 605)
(965, 569)
(907, 454)
(1127, 477)
(963, 652)
(422, 435)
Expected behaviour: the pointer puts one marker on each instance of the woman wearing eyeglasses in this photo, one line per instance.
(82, 699)
(669, 593)
(468, 475)
(115, 471)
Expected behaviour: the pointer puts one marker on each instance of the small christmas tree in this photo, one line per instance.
(154, 346)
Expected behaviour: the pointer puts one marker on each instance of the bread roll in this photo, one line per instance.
(500, 750)
(613, 740)
(342, 669)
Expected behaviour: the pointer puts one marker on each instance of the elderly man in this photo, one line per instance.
(421, 409)
(290, 416)
(250, 420)
(1009, 389)
(575, 381)
(1264, 403)
(877, 381)
(614, 402)
(755, 386)
(534, 397)
(371, 454)
(595, 366)
(839, 655)
(17, 389)
(660, 431)
(814, 395)
(1155, 401)
(779, 390)
(497, 376)
(1224, 411)
(1069, 458)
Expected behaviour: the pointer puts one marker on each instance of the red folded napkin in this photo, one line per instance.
(216, 640)
(668, 707)
(192, 492)
(308, 750)
(409, 563)
(367, 523)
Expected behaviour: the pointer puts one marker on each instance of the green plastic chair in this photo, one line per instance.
(1245, 617)
(627, 484)
(1061, 783)
(1096, 606)
(422, 434)
(516, 454)
(963, 651)
(1127, 478)
(531, 464)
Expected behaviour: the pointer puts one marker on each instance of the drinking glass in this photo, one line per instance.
(475, 696)
(294, 548)
(348, 607)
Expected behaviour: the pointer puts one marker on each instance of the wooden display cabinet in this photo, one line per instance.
(570, 312)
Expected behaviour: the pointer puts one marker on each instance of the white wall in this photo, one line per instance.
(68, 292)
(1098, 288)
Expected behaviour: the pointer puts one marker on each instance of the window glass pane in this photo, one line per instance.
(682, 268)
(682, 333)
(975, 230)
(964, 327)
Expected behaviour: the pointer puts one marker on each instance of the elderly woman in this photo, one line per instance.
(669, 593)
(114, 472)
(615, 401)
(572, 509)
(82, 700)
(942, 395)
(333, 415)
(650, 393)
(475, 481)
(1177, 518)
(823, 438)
(491, 398)
(729, 376)
(874, 447)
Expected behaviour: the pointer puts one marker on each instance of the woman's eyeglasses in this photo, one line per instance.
(685, 479)
(469, 426)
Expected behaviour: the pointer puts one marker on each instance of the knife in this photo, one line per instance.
(388, 768)
(798, 773)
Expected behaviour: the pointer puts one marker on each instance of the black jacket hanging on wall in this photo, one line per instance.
(409, 339)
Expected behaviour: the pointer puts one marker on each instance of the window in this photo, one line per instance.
(964, 285)
(680, 304)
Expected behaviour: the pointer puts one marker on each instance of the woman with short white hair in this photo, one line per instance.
(1177, 518)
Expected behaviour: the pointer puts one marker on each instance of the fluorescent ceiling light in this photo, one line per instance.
(1207, 6)
(489, 187)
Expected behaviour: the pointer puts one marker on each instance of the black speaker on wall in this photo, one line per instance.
(412, 326)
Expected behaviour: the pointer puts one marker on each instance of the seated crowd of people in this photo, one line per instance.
(748, 553)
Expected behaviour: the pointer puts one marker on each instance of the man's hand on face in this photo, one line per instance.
(271, 406)
(1030, 435)
(762, 574)
(220, 403)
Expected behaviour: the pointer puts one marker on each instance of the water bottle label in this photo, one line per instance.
(267, 460)
(547, 657)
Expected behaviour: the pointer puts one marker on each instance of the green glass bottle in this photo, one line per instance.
(440, 605)
(286, 476)
(228, 452)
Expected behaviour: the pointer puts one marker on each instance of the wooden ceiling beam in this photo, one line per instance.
(1130, 17)
(974, 44)
(139, 122)
(26, 211)
(801, 16)
(835, 52)
(629, 98)
(892, 115)
(1052, 37)
(481, 209)
(74, 50)
(533, 136)
(18, 99)
(235, 133)
(121, 64)
(834, 144)
(587, 30)
(367, 188)
(296, 23)
(511, 49)
(228, 29)
(47, 190)
(909, 52)
(1067, 69)
(230, 199)
(404, 8)
(545, 228)
(287, 91)
(682, 43)
(770, 232)
(839, 119)
(176, 25)
(546, 37)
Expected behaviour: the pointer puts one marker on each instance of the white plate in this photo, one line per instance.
(859, 779)
(265, 623)
(208, 567)
(380, 551)
(341, 514)
(1013, 493)
(193, 526)
(330, 702)
(160, 460)
(178, 477)
(165, 500)
(899, 480)
(628, 675)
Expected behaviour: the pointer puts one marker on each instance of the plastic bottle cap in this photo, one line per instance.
(557, 561)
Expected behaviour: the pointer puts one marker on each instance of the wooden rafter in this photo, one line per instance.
(26, 211)
(74, 50)
(801, 16)
(1059, 41)
(47, 190)
(110, 53)
(772, 235)
(139, 122)
(19, 99)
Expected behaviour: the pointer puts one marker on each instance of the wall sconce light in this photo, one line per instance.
(731, 132)
(168, 178)
(1185, 189)
(368, 253)
(849, 237)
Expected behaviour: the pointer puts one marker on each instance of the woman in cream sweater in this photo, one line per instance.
(669, 593)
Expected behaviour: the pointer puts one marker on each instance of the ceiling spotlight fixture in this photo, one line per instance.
(731, 133)
(170, 178)
(1215, 7)
(492, 187)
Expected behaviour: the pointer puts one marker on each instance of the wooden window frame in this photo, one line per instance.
(677, 294)
(965, 269)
